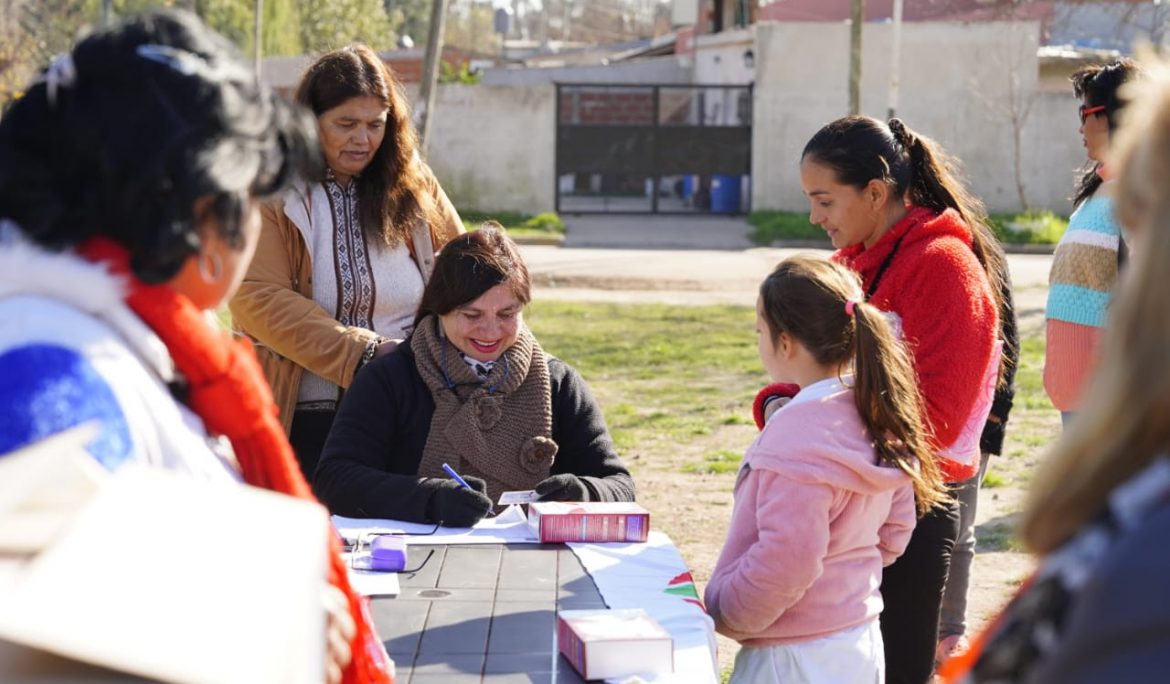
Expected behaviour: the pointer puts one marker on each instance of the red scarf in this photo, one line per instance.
(228, 391)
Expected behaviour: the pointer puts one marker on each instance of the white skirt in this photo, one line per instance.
(853, 656)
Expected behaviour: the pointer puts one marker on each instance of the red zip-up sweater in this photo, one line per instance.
(940, 293)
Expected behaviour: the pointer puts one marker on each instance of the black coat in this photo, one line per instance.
(369, 467)
(991, 441)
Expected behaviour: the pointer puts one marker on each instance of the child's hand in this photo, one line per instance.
(770, 399)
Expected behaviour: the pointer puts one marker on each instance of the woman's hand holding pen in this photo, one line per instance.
(454, 505)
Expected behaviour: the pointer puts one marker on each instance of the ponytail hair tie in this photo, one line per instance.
(849, 307)
(899, 131)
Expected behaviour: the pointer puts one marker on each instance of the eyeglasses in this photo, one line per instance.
(360, 553)
(1086, 112)
(348, 543)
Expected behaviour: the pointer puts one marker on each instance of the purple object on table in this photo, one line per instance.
(388, 553)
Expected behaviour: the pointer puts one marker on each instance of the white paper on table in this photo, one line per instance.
(180, 580)
(509, 527)
(370, 582)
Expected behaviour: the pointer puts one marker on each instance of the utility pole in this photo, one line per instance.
(259, 19)
(895, 62)
(430, 75)
(858, 18)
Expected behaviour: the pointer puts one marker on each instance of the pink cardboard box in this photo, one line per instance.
(614, 643)
(592, 521)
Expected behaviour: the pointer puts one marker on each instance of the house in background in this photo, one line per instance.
(712, 115)
(283, 73)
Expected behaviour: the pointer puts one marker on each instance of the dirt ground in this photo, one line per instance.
(697, 522)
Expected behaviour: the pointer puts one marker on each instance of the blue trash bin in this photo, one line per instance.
(725, 194)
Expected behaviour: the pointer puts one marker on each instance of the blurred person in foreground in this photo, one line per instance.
(1098, 514)
(130, 179)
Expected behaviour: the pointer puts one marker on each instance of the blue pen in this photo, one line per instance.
(463, 483)
(455, 476)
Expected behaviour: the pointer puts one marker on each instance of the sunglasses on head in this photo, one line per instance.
(1086, 112)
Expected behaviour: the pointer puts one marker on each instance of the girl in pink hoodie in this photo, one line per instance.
(826, 494)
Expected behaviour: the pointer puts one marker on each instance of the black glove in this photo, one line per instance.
(563, 487)
(454, 505)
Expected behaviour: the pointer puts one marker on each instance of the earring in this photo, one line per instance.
(210, 267)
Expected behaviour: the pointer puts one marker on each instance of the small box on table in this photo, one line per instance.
(592, 521)
(614, 643)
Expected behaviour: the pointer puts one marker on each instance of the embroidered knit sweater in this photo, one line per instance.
(814, 522)
(1080, 285)
(938, 291)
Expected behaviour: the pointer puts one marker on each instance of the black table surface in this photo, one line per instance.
(483, 613)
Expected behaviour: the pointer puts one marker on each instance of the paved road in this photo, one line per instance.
(709, 276)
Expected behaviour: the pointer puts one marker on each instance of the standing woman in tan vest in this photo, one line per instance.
(343, 260)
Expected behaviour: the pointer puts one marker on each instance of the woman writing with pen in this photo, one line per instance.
(470, 388)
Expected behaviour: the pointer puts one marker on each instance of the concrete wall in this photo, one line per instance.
(719, 57)
(960, 84)
(493, 146)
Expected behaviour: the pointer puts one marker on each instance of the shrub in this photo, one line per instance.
(769, 225)
(1029, 227)
(548, 222)
(515, 222)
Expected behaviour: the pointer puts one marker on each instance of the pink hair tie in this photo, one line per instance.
(849, 304)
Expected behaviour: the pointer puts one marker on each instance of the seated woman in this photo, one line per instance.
(470, 387)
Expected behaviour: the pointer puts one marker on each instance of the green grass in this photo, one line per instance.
(716, 463)
(993, 481)
(1030, 375)
(769, 226)
(547, 223)
(997, 536)
(663, 374)
(1031, 227)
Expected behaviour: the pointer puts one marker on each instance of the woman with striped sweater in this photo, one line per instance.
(1085, 263)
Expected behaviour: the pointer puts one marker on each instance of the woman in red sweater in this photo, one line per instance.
(891, 203)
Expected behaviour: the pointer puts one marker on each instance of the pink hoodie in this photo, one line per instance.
(814, 522)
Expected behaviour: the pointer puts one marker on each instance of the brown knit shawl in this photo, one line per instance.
(498, 429)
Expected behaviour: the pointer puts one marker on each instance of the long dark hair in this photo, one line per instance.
(807, 298)
(392, 190)
(121, 137)
(470, 265)
(859, 149)
(1098, 85)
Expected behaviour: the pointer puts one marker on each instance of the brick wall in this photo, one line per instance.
(619, 106)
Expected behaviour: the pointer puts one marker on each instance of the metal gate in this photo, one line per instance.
(663, 149)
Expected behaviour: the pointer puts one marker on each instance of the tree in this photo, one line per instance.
(1017, 62)
(409, 18)
(329, 24)
(280, 31)
(15, 70)
(235, 19)
(471, 26)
